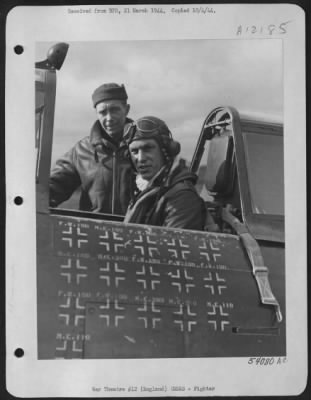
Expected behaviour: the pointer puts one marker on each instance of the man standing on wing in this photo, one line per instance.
(165, 196)
(98, 163)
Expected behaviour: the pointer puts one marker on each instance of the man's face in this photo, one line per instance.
(112, 115)
(147, 157)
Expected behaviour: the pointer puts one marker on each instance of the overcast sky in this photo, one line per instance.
(177, 81)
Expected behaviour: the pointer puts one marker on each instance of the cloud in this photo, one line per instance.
(178, 81)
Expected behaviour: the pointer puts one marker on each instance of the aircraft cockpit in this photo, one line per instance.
(107, 289)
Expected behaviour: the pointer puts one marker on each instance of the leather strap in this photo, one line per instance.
(260, 271)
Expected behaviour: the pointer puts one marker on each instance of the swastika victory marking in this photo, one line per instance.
(74, 234)
(111, 273)
(72, 273)
(219, 317)
(149, 319)
(213, 282)
(181, 280)
(146, 275)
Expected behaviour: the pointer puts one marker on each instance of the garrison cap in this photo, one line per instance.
(109, 91)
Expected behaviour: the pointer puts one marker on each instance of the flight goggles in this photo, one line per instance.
(148, 128)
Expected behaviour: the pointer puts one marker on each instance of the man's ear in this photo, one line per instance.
(127, 109)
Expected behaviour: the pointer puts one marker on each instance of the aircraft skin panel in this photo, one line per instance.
(109, 290)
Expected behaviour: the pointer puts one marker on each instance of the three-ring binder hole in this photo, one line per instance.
(18, 200)
(19, 49)
(19, 353)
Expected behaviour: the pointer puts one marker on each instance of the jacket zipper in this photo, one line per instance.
(114, 182)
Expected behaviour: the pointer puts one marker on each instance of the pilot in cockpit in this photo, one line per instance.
(164, 193)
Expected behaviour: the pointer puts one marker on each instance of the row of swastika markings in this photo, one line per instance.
(148, 277)
(149, 317)
(144, 245)
(113, 313)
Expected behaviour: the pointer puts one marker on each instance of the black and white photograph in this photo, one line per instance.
(109, 284)
(160, 177)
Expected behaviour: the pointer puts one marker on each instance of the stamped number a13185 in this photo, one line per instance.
(271, 29)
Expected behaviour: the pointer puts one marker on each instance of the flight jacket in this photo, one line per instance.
(175, 204)
(101, 167)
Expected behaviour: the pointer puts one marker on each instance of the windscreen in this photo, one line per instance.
(265, 166)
